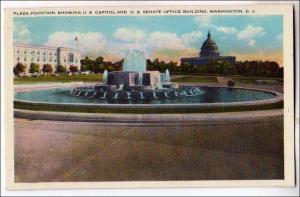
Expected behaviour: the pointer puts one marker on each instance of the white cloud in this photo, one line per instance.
(169, 46)
(192, 38)
(251, 43)
(227, 29)
(163, 44)
(168, 40)
(90, 43)
(250, 32)
(129, 34)
(203, 20)
(165, 40)
(206, 21)
(21, 32)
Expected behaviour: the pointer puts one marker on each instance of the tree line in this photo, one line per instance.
(46, 68)
(98, 65)
(244, 68)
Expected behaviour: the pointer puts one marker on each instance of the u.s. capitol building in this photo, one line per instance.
(40, 54)
(209, 52)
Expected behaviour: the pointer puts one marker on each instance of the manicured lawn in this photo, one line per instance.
(60, 78)
(98, 78)
(253, 79)
(196, 79)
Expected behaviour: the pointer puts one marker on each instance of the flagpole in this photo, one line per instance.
(76, 40)
(77, 43)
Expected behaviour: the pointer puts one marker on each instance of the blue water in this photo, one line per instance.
(210, 95)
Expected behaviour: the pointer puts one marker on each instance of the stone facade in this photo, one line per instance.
(209, 52)
(39, 54)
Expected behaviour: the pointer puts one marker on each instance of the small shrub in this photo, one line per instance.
(19, 68)
(34, 68)
(73, 69)
(47, 68)
(61, 69)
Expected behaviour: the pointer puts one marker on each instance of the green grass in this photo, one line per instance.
(196, 79)
(98, 77)
(252, 79)
(85, 109)
(60, 78)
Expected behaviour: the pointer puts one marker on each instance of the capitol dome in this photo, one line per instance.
(209, 47)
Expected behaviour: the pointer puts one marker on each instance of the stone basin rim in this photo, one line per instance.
(278, 98)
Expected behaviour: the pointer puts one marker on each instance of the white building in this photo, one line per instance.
(27, 54)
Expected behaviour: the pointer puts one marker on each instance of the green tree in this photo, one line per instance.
(87, 64)
(61, 69)
(47, 68)
(19, 68)
(84, 68)
(34, 68)
(98, 65)
(185, 67)
(73, 69)
(99, 59)
(110, 68)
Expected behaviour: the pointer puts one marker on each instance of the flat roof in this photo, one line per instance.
(42, 46)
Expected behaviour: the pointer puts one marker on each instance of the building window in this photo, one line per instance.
(50, 57)
(44, 56)
(71, 57)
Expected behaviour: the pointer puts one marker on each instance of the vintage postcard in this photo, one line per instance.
(149, 96)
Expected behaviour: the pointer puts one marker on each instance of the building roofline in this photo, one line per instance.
(192, 58)
(43, 46)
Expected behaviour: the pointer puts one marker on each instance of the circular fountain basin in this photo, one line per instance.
(201, 97)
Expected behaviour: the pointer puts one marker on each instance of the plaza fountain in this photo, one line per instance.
(134, 82)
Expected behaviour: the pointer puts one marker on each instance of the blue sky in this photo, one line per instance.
(165, 37)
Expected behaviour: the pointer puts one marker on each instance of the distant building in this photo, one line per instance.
(27, 54)
(209, 52)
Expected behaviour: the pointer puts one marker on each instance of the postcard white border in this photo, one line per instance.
(288, 118)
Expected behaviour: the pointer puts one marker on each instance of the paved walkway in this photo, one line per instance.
(222, 80)
(85, 151)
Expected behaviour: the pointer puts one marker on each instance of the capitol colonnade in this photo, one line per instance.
(41, 55)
